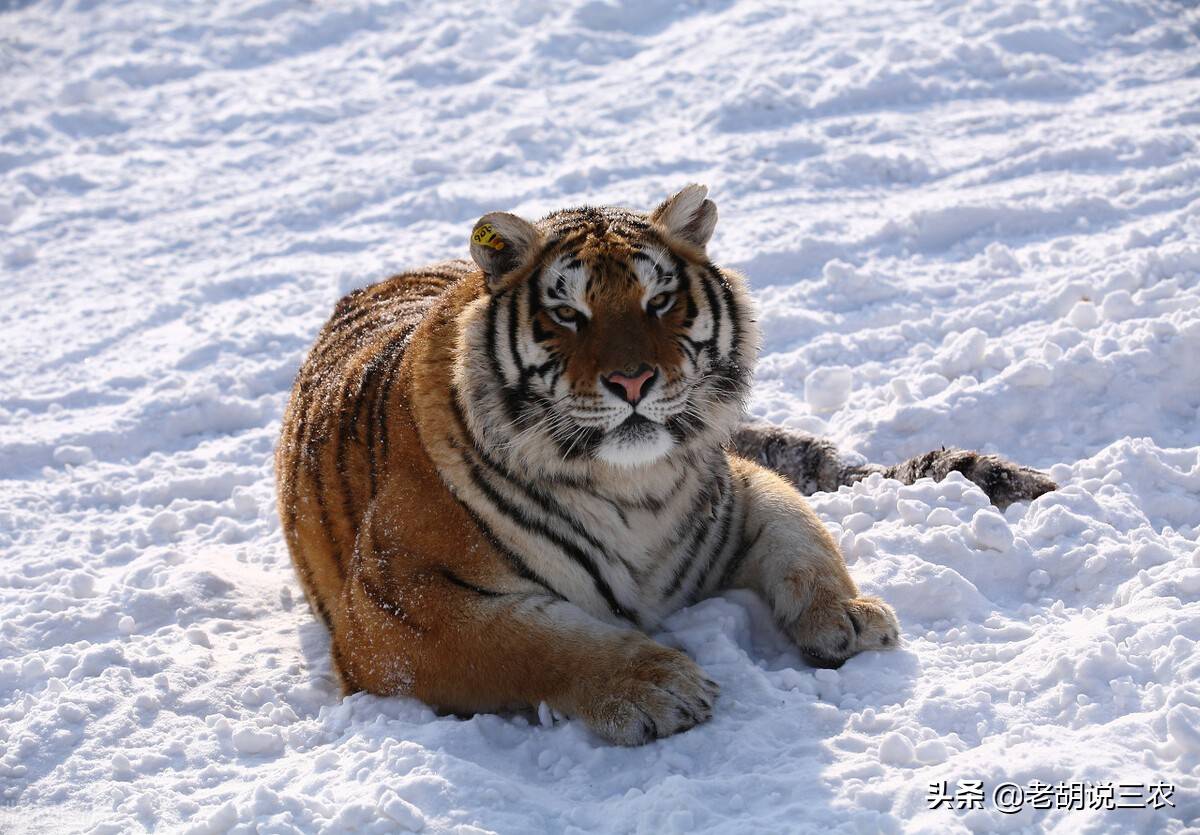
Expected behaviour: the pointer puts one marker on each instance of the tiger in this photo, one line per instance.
(496, 477)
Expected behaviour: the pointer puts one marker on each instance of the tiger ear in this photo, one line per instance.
(502, 242)
(688, 215)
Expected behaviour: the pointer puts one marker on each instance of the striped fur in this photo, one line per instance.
(814, 464)
(484, 521)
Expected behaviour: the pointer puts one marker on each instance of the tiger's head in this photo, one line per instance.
(605, 335)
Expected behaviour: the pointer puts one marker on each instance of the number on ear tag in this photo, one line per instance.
(485, 235)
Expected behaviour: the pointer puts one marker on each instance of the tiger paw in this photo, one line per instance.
(829, 634)
(655, 693)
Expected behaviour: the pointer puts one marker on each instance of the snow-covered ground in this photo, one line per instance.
(966, 223)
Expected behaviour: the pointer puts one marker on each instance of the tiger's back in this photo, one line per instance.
(335, 435)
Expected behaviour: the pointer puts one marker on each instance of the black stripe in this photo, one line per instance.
(565, 482)
(733, 309)
(580, 557)
(533, 493)
(513, 334)
(549, 506)
(377, 431)
(652, 504)
(388, 604)
(691, 347)
(740, 554)
(723, 495)
(518, 565)
(381, 590)
(699, 534)
(312, 444)
(454, 579)
(692, 310)
(331, 349)
(511, 403)
(717, 551)
(349, 406)
(521, 568)
(314, 472)
(714, 310)
(379, 599)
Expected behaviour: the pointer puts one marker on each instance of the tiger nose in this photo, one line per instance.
(630, 387)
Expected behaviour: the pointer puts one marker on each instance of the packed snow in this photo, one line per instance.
(971, 224)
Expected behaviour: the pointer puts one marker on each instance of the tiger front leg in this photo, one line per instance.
(467, 641)
(464, 650)
(790, 559)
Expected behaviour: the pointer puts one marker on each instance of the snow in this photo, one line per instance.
(974, 224)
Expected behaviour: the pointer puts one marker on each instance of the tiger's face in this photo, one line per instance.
(621, 338)
(611, 335)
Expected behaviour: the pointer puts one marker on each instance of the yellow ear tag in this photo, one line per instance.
(485, 235)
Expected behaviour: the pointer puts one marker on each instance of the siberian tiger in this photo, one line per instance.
(494, 475)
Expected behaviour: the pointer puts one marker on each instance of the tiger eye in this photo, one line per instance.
(657, 301)
(566, 313)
